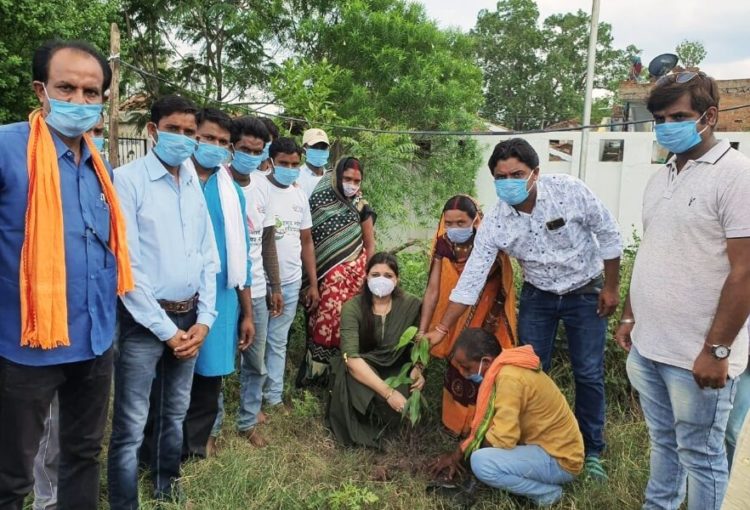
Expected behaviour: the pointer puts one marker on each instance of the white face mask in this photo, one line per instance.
(349, 189)
(381, 286)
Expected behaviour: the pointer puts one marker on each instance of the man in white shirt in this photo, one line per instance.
(563, 237)
(249, 136)
(316, 146)
(683, 322)
(290, 212)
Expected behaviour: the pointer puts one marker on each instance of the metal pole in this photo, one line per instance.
(589, 89)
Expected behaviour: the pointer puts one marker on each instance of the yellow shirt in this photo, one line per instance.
(529, 409)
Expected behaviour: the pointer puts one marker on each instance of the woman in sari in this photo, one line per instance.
(362, 405)
(495, 311)
(344, 237)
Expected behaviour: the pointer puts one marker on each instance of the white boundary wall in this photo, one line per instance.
(618, 184)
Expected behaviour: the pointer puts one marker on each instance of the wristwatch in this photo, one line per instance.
(719, 351)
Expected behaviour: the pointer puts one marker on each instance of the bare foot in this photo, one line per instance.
(255, 438)
(262, 418)
(211, 447)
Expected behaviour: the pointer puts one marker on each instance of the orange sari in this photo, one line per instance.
(495, 311)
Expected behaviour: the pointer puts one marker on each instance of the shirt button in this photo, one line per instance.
(93, 276)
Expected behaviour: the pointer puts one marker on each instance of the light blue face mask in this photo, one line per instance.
(210, 156)
(174, 149)
(512, 191)
(285, 176)
(266, 149)
(679, 137)
(317, 157)
(459, 235)
(98, 143)
(246, 163)
(72, 119)
(478, 377)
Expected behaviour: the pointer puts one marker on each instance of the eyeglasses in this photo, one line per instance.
(680, 78)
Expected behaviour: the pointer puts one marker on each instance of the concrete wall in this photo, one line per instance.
(619, 184)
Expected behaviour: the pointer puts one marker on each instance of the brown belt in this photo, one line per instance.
(179, 306)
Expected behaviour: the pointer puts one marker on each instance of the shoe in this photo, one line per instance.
(255, 438)
(211, 448)
(594, 469)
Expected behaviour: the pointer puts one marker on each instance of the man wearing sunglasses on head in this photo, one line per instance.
(683, 323)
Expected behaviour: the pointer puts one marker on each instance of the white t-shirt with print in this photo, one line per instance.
(258, 218)
(307, 180)
(291, 213)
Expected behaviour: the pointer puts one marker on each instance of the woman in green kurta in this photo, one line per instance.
(362, 405)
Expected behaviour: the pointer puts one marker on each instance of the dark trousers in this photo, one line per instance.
(201, 415)
(25, 396)
(539, 314)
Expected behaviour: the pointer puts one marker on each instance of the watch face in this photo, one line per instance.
(721, 351)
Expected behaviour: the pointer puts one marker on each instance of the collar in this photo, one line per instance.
(156, 169)
(711, 157)
(61, 149)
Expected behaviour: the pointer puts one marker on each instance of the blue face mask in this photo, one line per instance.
(246, 163)
(478, 377)
(679, 137)
(98, 143)
(72, 119)
(285, 176)
(174, 149)
(459, 234)
(209, 155)
(317, 157)
(512, 191)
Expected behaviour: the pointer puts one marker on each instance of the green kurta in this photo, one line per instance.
(356, 415)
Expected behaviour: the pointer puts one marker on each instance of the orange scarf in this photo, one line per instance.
(44, 312)
(523, 357)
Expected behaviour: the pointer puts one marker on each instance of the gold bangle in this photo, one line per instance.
(390, 394)
(442, 329)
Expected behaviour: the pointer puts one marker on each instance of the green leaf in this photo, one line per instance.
(406, 337)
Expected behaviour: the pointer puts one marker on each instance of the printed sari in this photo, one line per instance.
(340, 259)
(495, 311)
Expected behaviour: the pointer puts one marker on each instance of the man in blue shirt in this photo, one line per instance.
(164, 321)
(226, 206)
(69, 79)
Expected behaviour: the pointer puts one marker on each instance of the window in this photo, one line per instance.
(611, 150)
(561, 150)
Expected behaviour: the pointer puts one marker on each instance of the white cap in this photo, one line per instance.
(313, 136)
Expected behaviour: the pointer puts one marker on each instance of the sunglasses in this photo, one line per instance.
(680, 78)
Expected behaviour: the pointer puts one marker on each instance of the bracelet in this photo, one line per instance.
(390, 394)
(627, 321)
(441, 329)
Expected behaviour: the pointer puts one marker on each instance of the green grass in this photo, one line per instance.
(303, 468)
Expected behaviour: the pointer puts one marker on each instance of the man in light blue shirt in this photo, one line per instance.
(164, 321)
(563, 237)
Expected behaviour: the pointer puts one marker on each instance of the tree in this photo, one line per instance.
(28, 23)
(535, 75)
(383, 64)
(691, 53)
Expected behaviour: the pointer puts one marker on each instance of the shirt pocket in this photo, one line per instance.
(560, 238)
(102, 227)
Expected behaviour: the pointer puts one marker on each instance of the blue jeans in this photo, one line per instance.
(686, 427)
(740, 407)
(141, 358)
(276, 342)
(526, 470)
(539, 315)
(253, 370)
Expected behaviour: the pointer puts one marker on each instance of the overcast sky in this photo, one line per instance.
(655, 26)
